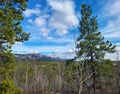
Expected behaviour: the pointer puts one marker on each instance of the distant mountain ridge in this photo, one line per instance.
(36, 57)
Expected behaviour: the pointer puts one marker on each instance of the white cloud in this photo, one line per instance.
(113, 7)
(39, 21)
(37, 36)
(44, 32)
(59, 22)
(49, 38)
(62, 32)
(109, 8)
(30, 12)
(112, 14)
(63, 17)
(112, 29)
(113, 35)
(30, 21)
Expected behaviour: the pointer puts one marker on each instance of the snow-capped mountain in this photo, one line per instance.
(36, 57)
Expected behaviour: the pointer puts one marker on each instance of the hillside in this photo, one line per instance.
(36, 57)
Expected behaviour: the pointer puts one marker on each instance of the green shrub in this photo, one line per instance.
(8, 87)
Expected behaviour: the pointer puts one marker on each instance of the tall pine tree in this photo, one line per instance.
(91, 43)
(10, 32)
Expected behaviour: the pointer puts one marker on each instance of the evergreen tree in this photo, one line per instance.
(91, 43)
(10, 29)
(10, 17)
(8, 87)
(10, 32)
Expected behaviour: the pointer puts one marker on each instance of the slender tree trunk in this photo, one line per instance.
(94, 73)
(94, 81)
(81, 76)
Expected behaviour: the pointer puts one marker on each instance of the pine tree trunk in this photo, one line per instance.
(94, 75)
(94, 80)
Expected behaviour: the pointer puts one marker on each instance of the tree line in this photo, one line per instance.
(66, 78)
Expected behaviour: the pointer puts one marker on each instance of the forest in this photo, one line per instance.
(66, 78)
(88, 72)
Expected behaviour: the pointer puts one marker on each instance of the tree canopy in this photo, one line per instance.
(91, 44)
(10, 20)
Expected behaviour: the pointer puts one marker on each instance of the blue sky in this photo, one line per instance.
(52, 24)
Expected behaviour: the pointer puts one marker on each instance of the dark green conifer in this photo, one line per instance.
(10, 29)
(10, 32)
(91, 43)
